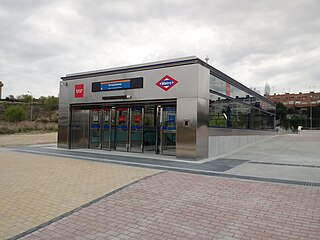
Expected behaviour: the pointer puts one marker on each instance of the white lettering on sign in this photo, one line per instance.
(79, 90)
(115, 84)
(166, 82)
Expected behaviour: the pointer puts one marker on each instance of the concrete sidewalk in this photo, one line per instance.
(293, 156)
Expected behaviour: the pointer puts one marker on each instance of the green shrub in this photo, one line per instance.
(51, 103)
(295, 122)
(27, 126)
(15, 114)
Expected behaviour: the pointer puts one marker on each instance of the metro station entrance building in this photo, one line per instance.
(181, 107)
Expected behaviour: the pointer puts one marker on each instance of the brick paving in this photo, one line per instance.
(187, 206)
(35, 189)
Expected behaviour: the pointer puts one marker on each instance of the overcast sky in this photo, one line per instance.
(256, 41)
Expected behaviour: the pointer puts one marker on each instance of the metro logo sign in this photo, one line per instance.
(79, 90)
(166, 82)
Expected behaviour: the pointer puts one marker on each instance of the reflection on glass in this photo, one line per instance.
(149, 137)
(168, 138)
(121, 134)
(95, 132)
(232, 107)
(237, 113)
(136, 129)
(106, 129)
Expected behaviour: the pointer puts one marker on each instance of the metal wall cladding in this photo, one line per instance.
(187, 86)
(63, 119)
(79, 128)
(202, 128)
(186, 135)
(191, 92)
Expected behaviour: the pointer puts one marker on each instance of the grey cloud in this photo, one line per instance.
(253, 41)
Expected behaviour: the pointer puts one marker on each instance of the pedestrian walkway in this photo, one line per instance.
(35, 189)
(285, 159)
(293, 156)
(50, 193)
(187, 206)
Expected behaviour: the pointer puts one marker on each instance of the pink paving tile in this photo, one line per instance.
(187, 206)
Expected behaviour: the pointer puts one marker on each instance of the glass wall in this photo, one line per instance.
(231, 107)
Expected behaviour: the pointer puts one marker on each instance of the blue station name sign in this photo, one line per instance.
(118, 84)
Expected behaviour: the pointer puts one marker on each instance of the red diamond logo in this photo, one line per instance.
(166, 82)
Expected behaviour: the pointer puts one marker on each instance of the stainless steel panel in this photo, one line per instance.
(203, 113)
(187, 77)
(186, 135)
(63, 130)
(203, 82)
(79, 128)
(202, 128)
(63, 121)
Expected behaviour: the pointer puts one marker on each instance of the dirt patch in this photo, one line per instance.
(28, 139)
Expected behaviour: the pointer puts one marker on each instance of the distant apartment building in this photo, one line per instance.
(299, 101)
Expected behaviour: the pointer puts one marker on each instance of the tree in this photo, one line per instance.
(25, 98)
(281, 112)
(267, 89)
(10, 97)
(295, 121)
(51, 102)
(15, 114)
(315, 115)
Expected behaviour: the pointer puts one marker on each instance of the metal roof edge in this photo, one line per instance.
(136, 67)
(235, 83)
(165, 63)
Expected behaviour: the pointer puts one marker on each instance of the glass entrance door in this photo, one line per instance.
(150, 133)
(121, 129)
(168, 130)
(136, 129)
(106, 129)
(95, 129)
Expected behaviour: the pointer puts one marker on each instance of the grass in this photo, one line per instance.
(27, 126)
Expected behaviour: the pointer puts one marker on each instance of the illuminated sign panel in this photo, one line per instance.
(79, 90)
(113, 85)
(119, 84)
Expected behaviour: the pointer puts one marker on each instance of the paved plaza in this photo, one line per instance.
(188, 206)
(269, 190)
(293, 156)
(35, 189)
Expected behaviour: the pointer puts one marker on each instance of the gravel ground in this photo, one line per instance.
(28, 139)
